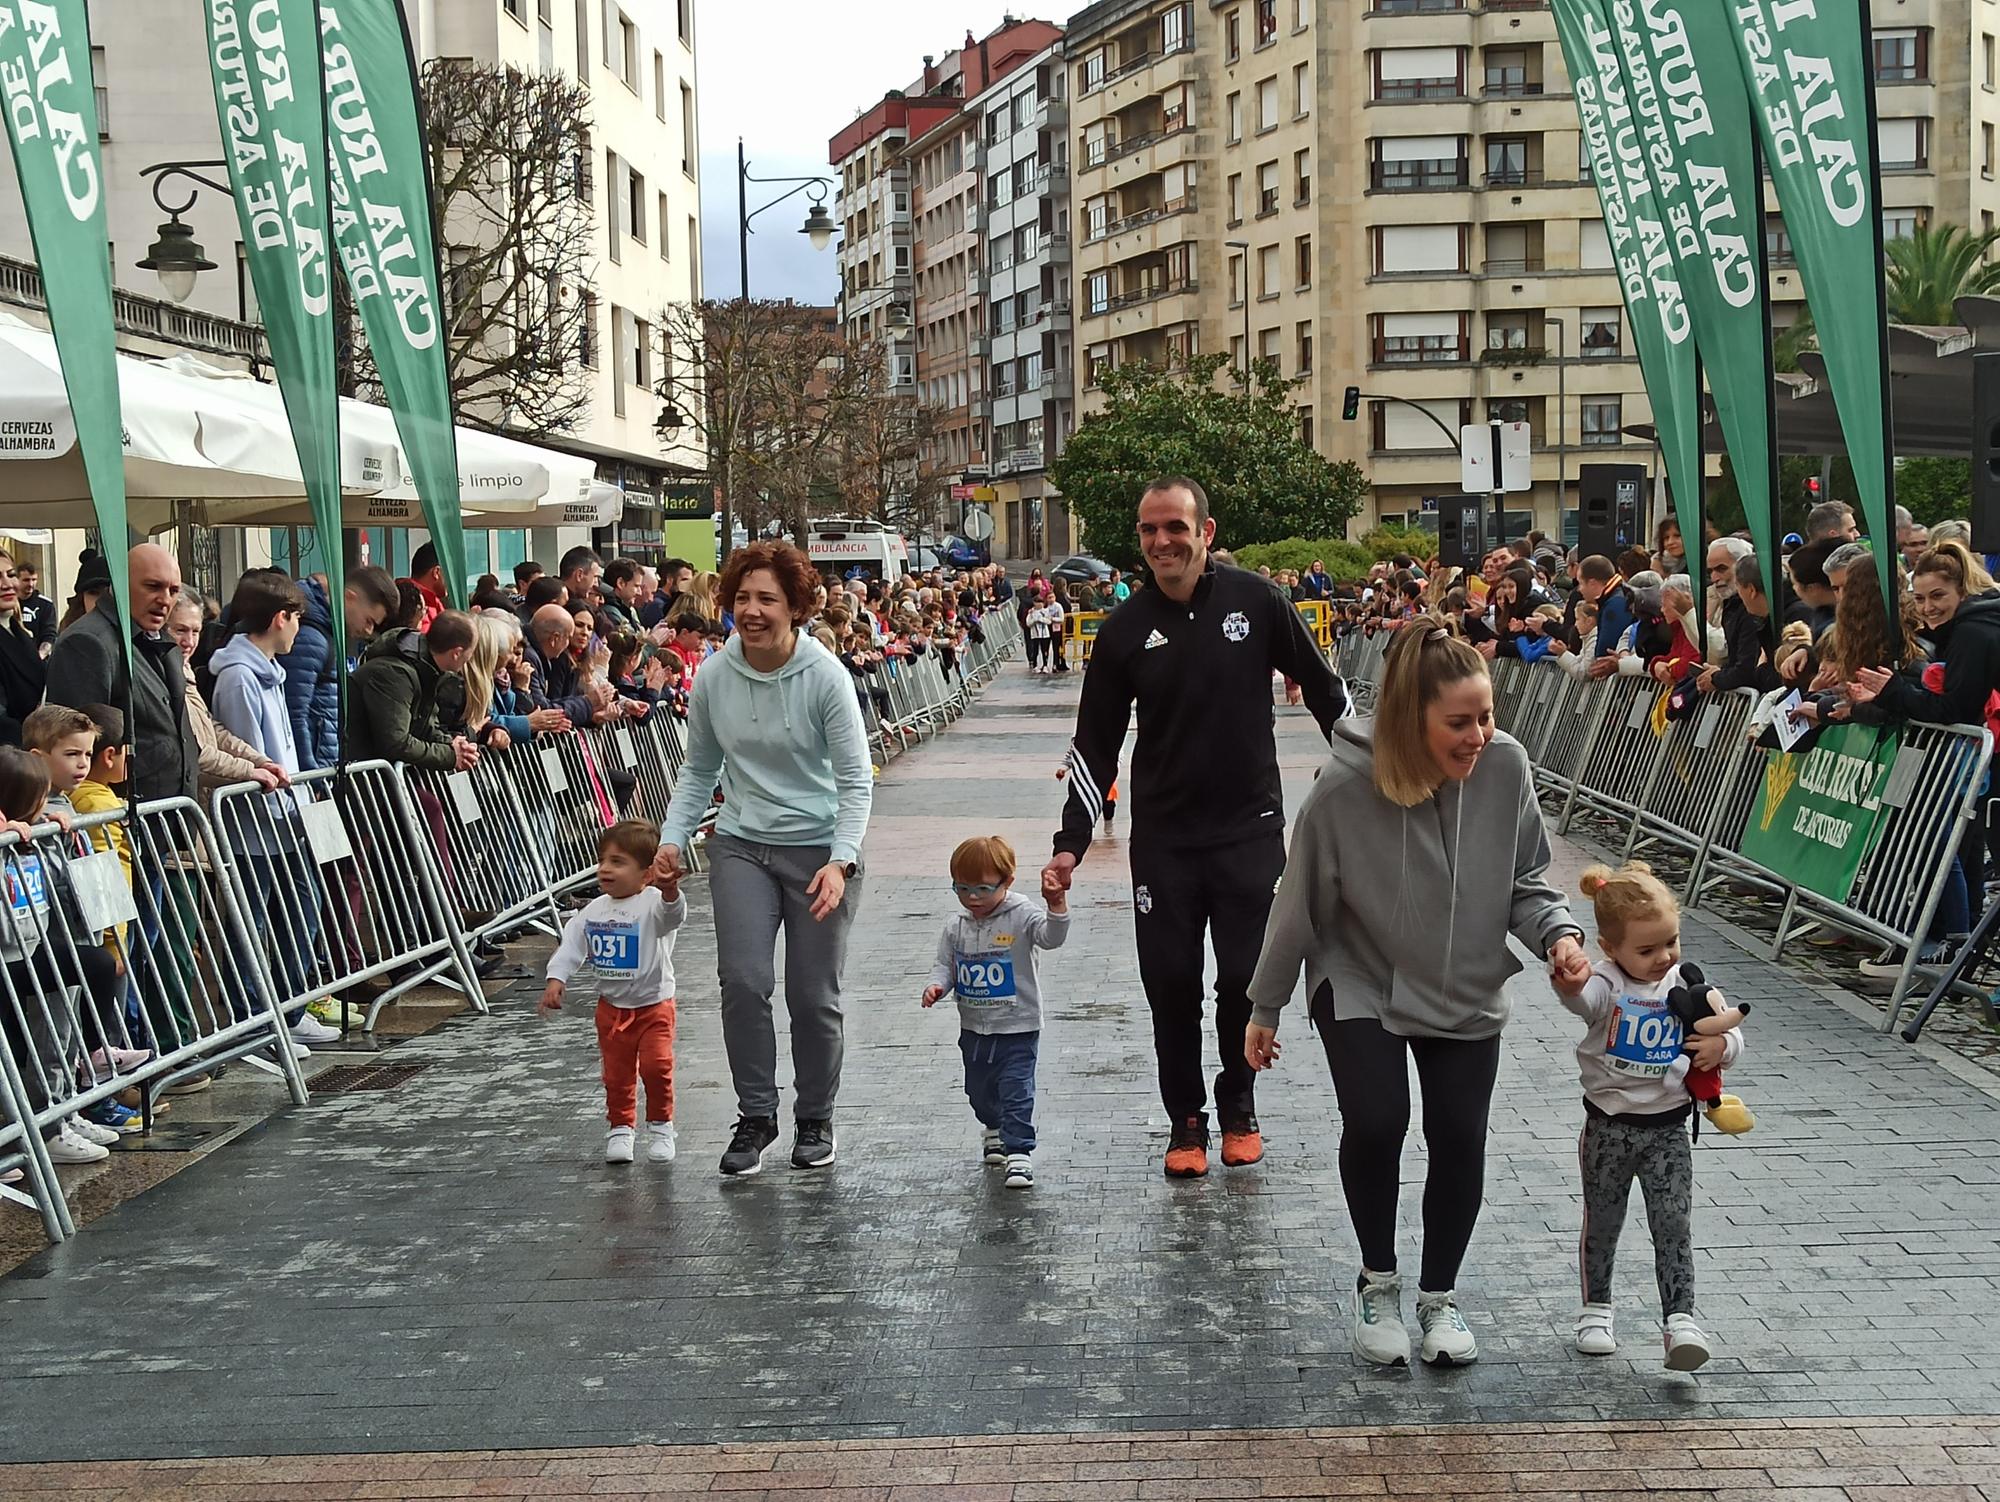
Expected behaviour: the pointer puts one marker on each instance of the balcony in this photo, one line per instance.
(1051, 112)
(1057, 246)
(1406, 90)
(1513, 266)
(1053, 178)
(1418, 177)
(1513, 88)
(1515, 177)
(975, 282)
(1150, 293)
(1416, 7)
(1056, 379)
(1513, 354)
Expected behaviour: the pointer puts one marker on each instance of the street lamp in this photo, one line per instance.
(176, 257)
(1244, 246)
(819, 230)
(898, 327)
(1562, 415)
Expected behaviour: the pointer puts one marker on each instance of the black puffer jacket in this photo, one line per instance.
(1969, 644)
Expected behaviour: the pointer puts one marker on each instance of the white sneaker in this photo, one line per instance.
(1447, 1338)
(1020, 1171)
(1379, 1332)
(90, 1131)
(618, 1145)
(67, 1147)
(990, 1150)
(1687, 1347)
(309, 1029)
(1593, 1331)
(659, 1142)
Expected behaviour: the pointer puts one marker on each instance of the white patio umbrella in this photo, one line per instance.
(180, 443)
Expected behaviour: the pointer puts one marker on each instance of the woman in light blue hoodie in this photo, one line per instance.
(249, 702)
(774, 717)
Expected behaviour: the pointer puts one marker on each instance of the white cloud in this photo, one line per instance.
(785, 75)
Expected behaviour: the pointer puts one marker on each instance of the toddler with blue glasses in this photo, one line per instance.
(986, 956)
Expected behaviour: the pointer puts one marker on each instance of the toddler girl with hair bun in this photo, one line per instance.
(1633, 1062)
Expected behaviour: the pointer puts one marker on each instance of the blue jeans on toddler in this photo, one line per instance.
(1000, 1083)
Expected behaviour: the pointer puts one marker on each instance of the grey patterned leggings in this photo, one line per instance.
(1614, 1153)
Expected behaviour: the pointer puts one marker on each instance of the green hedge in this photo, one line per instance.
(1345, 561)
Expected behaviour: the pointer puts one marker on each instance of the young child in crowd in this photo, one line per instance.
(621, 945)
(987, 956)
(1633, 1061)
(110, 755)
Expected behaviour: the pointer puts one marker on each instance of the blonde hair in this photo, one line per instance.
(703, 590)
(1953, 560)
(493, 637)
(1630, 894)
(1423, 660)
(975, 857)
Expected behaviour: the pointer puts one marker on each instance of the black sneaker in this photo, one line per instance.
(754, 1134)
(812, 1147)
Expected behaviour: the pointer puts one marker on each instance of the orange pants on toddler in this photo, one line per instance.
(637, 1043)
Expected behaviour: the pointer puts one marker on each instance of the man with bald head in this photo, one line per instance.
(554, 682)
(87, 666)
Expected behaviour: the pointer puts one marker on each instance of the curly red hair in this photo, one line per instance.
(794, 572)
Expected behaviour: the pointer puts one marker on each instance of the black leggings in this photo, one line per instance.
(1372, 1080)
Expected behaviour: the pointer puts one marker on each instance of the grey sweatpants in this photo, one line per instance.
(1614, 1153)
(756, 890)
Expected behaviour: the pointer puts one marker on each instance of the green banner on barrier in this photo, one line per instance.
(1818, 810)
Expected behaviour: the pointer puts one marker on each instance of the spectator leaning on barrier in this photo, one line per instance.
(1746, 629)
(312, 676)
(393, 699)
(1721, 559)
(553, 682)
(225, 758)
(88, 667)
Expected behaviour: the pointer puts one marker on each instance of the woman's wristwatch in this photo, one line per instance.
(848, 868)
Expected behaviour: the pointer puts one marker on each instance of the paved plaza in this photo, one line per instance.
(448, 1267)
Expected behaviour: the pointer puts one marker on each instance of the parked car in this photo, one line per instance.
(1081, 568)
(924, 558)
(963, 552)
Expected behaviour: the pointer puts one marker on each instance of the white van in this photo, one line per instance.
(841, 544)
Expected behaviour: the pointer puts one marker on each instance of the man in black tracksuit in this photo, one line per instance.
(1195, 653)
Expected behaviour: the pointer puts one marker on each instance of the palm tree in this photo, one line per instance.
(1925, 272)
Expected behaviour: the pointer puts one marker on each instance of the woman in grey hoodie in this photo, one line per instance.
(1412, 958)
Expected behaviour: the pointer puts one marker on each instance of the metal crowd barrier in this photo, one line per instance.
(1603, 747)
(236, 916)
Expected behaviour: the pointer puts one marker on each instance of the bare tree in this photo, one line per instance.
(510, 163)
(794, 417)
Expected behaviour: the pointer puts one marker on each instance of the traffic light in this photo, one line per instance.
(1812, 490)
(1350, 406)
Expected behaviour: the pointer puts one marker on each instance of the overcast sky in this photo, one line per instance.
(785, 75)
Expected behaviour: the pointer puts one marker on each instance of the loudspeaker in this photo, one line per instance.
(1611, 501)
(1461, 530)
(1986, 453)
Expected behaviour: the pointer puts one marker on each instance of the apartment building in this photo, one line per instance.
(1024, 253)
(1393, 195)
(913, 187)
(642, 174)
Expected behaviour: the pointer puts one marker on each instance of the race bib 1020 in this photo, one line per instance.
(986, 979)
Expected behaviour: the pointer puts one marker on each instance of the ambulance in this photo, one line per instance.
(841, 544)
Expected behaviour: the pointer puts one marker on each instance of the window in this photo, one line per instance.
(583, 41)
(642, 353)
(102, 92)
(628, 52)
(1090, 75)
(1176, 30)
(1267, 188)
(1404, 248)
(1096, 360)
(664, 237)
(1418, 72)
(1903, 144)
(996, 124)
(545, 12)
(660, 85)
(1512, 249)
(687, 130)
(1419, 338)
(1902, 55)
(1233, 109)
(1986, 149)
(1601, 330)
(1302, 189)
(613, 204)
(1507, 73)
(1267, 22)
(1003, 378)
(1267, 104)
(1986, 60)
(686, 19)
(463, 285)
(1594, 250)
(1302, 261)
(621, 342)
(1411, 163)
(1507, 331)
(1777, 241)
(1031, 371)
(1097, 218)
(1506, 161)
(1601, 423)
(694, 256)
(1097, 292)
(1900, 224)
(1236, 289)
(1267, 344)
(1232, 37)
(1267, 271)
(1235, 198)
(1174, 109)
(1306, 424)
(1301, 90)
(635, 198)
(1303, 345)
(515, 8)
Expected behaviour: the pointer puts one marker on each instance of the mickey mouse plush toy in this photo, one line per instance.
(1703, 1012)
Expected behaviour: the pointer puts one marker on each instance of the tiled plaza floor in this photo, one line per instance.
(449, 1267)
